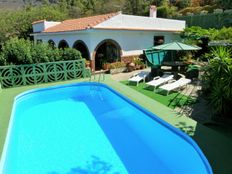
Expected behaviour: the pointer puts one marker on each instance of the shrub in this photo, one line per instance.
(194, 10)
(17, 51)
(55, 54)
(165, 11)
(117, 65)
(20, 51)
(40, 53)
(2, 60)
(70, 54)
(218, 80)
(209, 8)
(195, 33)
(222, 34)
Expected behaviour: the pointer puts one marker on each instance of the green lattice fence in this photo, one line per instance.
(21, 75)
(211, 20)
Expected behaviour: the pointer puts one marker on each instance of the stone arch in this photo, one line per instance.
(83, 48)
(107, 50)
(63, 44)
(51, 43)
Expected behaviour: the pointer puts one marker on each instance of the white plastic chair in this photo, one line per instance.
(138, 77)
(157, 81)
(175, 85)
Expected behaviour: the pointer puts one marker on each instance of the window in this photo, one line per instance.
(39, 41)
(51, 43)
(158, 40)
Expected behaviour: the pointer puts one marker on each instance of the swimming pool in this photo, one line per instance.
(90, 128)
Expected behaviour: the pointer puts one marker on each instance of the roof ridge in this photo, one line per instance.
(87, 17)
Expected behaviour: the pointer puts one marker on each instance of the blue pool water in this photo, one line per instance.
(88, 128)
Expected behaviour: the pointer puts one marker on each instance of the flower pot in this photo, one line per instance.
(106, 66)
(117, 70)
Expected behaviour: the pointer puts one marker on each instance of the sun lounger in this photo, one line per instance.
(175, 85)
(138, 77)
(157, 81)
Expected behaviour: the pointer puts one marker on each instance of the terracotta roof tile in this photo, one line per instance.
(35, 22)
(79, 24)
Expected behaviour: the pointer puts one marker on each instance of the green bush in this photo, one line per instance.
(20, 51)
(218, 80)
(54, 54)
(198, 9)
(70, 54)
(222, 34)
(162, 11)
(166, 11)
(196, 32)
(40, 53)
(194, 10)
(2, 60)
(209, 8)
(17, 51)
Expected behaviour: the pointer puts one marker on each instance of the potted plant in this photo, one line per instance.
(87, 63)
(138, 63)
(106, 66)
(130, 66)
(142, 65)
(117, 67)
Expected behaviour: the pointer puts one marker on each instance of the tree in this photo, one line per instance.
(18, 23)
(180, 4)
(225, 4)
(166, 9)
(137, 7)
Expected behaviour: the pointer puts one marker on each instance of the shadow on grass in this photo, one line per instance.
(95, 166)
(216, 147)
(186, 128)
(173, 100)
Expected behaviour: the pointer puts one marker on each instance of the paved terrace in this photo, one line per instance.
(216, 147)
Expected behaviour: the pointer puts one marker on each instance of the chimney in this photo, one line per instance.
(153, 11)
(40, 26)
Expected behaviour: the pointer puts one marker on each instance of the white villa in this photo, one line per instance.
(113, 36)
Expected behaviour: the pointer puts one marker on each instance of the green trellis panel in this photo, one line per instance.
(21, 75)
(211, 20)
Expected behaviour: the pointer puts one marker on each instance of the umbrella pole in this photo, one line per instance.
(172, 55)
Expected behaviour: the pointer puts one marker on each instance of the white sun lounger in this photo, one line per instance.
(157, 81)
(175, 85)
(138, 77)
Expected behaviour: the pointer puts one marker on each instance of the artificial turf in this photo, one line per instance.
(173, 100)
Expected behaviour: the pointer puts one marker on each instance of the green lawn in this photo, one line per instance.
(172, 100)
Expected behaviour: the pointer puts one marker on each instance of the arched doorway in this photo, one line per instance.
(106, 51)
(82, 47)
(51, 43)
(63, 44)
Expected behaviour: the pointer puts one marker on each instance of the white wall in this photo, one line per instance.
(131, 42)
(43, 25)
(38, 27)
(69, 37)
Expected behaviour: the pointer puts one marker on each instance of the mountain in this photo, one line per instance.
(15, 4)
